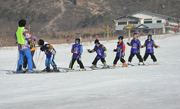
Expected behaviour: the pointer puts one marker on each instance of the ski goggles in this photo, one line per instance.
(120, 38)
(135, 34)
(149, 36)
(96, 43)
(76, 41)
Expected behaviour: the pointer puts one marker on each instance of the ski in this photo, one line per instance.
(76, 70)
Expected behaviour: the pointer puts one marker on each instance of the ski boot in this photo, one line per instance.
(82, 69)
(129, 63)
(20, 70)
(124, 64)
(155, 63)
(55, 69)
(47, 69)
(93, 67)
(105, 65)
(31, 71)
(141, 63)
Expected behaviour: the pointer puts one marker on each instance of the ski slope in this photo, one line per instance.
(138, 87)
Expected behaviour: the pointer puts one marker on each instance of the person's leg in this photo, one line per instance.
(153, 57)
(130, 57)
(25, 62)
(139, 57)
(95, 61)
(115, 61)
(47, 64)
(122, 60)
(32, 54)
(20, 61)
(104, 62)
(52, 60)
(72, 63)
(29, 58)
(145, 56)
(80, 63)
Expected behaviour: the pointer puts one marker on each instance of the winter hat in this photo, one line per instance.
(96, 41)
(41, 42)
(120, 38)
(22, 23)
(77, 40)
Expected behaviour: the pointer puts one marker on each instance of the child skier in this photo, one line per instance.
(99, 49)
(77, 51)
(149, 44)
(50, 56)
(135, 49)
(22, 36)
(32, 48)
(120, 52)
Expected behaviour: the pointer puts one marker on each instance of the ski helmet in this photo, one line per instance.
(150, 36)
(120, 38)
(135, 34)
(41, 42)
(96, 42)
(77, 40)
(22, 23)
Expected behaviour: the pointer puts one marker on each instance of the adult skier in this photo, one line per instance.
(22, 36)
(120, 52)
(135, 49)
(149, 44)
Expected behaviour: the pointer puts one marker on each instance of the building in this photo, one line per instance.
(147, 22)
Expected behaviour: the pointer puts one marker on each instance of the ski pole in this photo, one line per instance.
(111, 57)
(40, 61)
(158, 55)
(38, 58)
(16, 60)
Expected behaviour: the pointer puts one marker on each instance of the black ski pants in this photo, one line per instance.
(96, 60)
(138, 56)
(78, 61)
(152, 56)
(119, 58)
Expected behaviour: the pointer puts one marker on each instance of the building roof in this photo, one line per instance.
(146, 13)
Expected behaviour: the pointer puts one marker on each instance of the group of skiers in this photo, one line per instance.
(26, 46)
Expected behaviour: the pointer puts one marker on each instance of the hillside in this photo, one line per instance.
(48, 17)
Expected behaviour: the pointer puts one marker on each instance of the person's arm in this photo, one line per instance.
(143, 45)
(130, 44)
(81, 50)
(72, 49)
(123, 48)
(104, 48)
(91, 51)
(154, 45)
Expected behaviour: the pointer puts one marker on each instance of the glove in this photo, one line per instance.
(72, 51)
(31, 46)
(89, 50)
(141, 46)
(128, 43)
(79, 54)
(157, 47)
(115, 50)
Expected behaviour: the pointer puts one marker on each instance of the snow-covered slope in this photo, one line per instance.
(138, 87)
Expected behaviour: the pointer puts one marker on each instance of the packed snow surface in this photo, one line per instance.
(135, 87)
